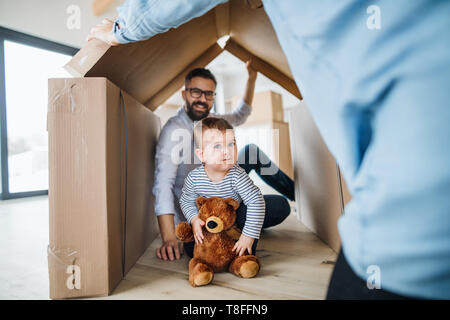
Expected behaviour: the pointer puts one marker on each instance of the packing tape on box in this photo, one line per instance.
(64, 261)
(61, 258)
(61, 93)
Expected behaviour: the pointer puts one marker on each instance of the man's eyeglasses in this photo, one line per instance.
(197, 93)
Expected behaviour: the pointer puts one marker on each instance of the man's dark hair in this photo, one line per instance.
(200, 72)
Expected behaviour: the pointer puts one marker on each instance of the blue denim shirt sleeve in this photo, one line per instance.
(166, 167)
(142, 19)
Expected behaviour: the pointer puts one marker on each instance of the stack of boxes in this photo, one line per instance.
(266, 128)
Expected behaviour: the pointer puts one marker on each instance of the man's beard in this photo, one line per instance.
(196, 115)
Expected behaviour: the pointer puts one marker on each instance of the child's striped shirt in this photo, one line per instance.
(236, 184)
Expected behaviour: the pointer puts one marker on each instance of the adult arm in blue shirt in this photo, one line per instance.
(141, 19)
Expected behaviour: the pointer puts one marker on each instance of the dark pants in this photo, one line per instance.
(277, 207)
(346, 285)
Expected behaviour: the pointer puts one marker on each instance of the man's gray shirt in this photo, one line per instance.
(175, 157)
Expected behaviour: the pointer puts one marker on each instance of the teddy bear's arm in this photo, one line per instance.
(234, 232)
(184, 232)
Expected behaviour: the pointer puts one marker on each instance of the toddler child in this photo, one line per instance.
(221, 176)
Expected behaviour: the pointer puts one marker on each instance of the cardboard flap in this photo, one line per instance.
(152, 70)
(252, 29)
(144, 68)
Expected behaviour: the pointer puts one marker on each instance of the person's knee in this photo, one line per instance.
(251, 146)
(247, 150)
(277, 210)
(285, 208)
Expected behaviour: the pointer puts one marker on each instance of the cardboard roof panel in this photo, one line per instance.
(143, 68)
(152, 70)
(178, 81)
(252, 29)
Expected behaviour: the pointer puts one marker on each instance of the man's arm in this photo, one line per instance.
(239, 115)
(139, 20)
(170, 248)
(250, 87)
(165, 175)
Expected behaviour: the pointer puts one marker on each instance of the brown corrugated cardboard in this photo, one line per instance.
(272, 138)
(152, 70)
(101, 166)
(166, 111)
(318, 192)
(267, 107)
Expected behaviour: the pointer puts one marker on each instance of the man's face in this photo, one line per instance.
(198, 107)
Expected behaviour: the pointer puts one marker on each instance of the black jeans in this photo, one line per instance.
(252, 158)
(277, 207)
(346, 285)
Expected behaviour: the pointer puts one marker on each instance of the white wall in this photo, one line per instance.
(234, 75)
(231, 75)
(48, 19)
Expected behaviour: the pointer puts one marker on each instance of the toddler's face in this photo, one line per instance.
(219, 149)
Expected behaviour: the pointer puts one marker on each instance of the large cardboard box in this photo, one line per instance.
(166, 111)
(101, 167)
(267, 107)
(272, 138)
(320, 190)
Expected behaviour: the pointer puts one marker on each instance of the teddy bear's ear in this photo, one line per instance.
(232, 202)
(200, 201)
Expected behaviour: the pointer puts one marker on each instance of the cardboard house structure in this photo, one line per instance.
(103, 133)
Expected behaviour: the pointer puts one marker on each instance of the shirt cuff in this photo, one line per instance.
(166, 208)
(245, 107)
(189, 219)
(119, 33)
(251, 235)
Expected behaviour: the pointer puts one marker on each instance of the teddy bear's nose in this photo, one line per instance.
(212, 224)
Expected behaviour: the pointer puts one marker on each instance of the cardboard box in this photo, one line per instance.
(267, 107)
(101, 167)
(166, 111)
(151, 71)
(320, 190)
(270, 137)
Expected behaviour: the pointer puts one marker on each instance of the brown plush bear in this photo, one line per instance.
(215, 253)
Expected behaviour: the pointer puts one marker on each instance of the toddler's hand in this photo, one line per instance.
(244, 243)
(197, 225)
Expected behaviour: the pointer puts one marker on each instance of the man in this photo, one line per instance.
(375, 78)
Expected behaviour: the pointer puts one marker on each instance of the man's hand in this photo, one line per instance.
(170, 249)
(244, 244)
(252, 73)
(103, 31)
(197, 225)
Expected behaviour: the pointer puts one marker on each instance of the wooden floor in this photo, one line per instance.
(292, 260)
(295, 265)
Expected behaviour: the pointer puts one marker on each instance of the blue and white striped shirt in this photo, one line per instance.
(236, 184)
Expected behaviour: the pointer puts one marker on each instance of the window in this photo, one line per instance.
(26, 63)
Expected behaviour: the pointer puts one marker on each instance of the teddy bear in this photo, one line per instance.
(220, 234)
